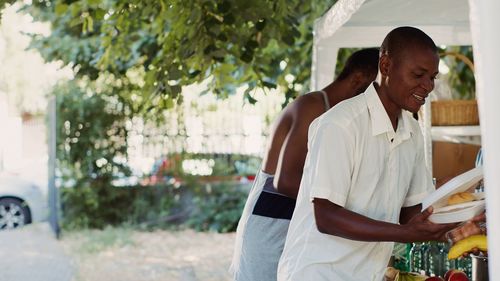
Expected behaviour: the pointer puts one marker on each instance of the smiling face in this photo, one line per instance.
(409, 78)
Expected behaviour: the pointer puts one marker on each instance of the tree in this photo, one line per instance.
(152, 48)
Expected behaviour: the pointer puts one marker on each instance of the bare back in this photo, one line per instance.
(287, 147)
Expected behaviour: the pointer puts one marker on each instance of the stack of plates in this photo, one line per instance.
(465, 182)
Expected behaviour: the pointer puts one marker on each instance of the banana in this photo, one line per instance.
(410, 276)
(467, 244)
(392, 274)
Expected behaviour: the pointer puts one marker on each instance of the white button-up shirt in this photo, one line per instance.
(356, 160)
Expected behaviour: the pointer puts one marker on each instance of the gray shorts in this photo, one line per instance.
(261, 232)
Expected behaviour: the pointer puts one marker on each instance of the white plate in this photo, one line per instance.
(478, 200)
(460, 183)
(458, 212)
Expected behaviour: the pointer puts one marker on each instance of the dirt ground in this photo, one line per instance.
(130, 255)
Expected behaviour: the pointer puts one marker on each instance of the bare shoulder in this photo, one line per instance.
(308, 106)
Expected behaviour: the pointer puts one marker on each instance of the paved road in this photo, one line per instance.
(32, 253)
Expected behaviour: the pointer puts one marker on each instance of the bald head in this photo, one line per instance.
(405, 38)
(408, 66)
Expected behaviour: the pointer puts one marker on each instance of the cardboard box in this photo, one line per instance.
(451, 159)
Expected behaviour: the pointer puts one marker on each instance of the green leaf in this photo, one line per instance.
(249, 98)
(187, 53)
(175, 74)
(269, 85)
(61, 8)
(210, 48)
(194, 73)
(229, 19)
(218, 59)
(295, 32)
(247, 56)
(93, 3)
(90, 24)
(176, 90)
(76, 9)
(224, 7)
(252, 44)
(222, 37)
(99, 14)
(288, 39)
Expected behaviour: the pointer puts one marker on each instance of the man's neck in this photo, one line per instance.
(392, 110)
(337, 92)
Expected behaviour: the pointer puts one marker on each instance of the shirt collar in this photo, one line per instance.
(405, 129)
(380, 120)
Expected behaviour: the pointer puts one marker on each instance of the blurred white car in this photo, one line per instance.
(21, 202)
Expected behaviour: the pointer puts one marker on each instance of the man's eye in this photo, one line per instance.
(418, 75)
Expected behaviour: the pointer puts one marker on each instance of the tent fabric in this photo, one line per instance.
(336, 17)
(358, 23)
(364, 23)
(484, 22)
(371, 13)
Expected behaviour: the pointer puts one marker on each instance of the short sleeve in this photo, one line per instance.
(331, 157)
(421, 180)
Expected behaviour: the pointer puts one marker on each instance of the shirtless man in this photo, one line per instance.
(264, 223)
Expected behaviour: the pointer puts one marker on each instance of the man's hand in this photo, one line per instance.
(479, 218)
(479, 222)
(423, 230)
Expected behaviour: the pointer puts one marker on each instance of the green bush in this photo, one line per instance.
(91, 143)
(92, 153)
(94, 205)
(98, 206)
(208, 207)
(217, 207)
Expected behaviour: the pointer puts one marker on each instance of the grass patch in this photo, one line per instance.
(93, 241)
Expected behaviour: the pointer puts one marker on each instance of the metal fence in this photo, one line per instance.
(204, 125)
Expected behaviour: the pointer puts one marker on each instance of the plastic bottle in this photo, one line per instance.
(426, 258)
(416, 257)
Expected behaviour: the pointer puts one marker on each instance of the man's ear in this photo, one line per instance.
(384, 64)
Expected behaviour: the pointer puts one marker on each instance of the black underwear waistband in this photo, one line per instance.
(273, 204)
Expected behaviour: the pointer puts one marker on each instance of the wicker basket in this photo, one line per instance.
(455, 112)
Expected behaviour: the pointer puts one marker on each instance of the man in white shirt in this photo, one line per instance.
(364, 176)
(263, 225)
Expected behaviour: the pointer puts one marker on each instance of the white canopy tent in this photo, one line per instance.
(364, 23)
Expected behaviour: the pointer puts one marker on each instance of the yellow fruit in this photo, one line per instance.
(391, 273)
(467, 244)
(410, 276)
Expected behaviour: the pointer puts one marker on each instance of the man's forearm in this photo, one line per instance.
(335, 220)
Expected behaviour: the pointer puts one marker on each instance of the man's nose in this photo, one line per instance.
(428, 84)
